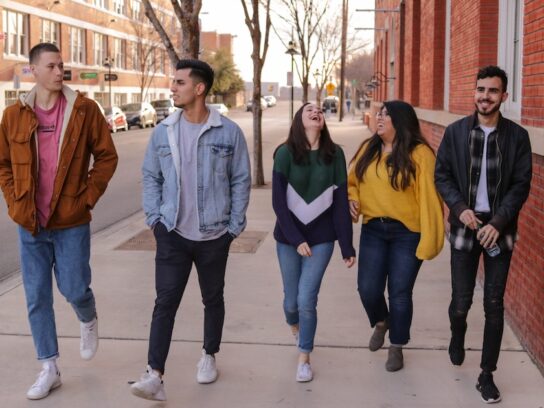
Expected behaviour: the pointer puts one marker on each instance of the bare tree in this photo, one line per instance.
(258, 56)
(330, 42)
(187, 12)
(304, 18)
(143, 55)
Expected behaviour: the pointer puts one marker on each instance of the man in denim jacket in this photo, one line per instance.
(196, 184)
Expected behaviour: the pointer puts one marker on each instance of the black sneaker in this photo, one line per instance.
(488, 389)
(456, 350)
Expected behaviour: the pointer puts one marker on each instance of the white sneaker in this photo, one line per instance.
(89, 339)
(150, 386)
(304, 372)
(48, 379)
(207, 371)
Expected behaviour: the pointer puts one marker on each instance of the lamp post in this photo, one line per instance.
(292, 51)
(108, 62)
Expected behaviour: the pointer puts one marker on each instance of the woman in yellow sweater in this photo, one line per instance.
(391, 184)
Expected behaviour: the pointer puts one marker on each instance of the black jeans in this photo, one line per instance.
(173, 262)
(464, 267)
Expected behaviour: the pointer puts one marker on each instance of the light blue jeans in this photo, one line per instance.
(67, 253)
(301, 282)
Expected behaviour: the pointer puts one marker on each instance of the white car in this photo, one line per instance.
(270, 100)
(223, 110)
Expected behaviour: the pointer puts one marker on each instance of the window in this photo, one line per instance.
(100, 43)
(510, 52)
(11, 97)
(136, 56)
(77, 45)
(136, 97)
(135, 9)
(160, 62)
(50, 32)
(101, 3)
(119, 53)
(120, 99)
(15, 33)
(119, 6)
(103, 98)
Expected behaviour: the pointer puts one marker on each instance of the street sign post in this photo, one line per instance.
(88, 75)
(110, 77)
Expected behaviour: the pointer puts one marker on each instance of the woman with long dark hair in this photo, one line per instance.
(309, 196)
(391, 184)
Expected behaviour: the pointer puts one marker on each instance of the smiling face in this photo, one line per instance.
(384, 125)
(48, 71)
(489, 95)
(312, 117)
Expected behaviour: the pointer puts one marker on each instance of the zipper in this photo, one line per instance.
(500, 173)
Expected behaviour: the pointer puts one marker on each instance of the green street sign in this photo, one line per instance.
(88, 75)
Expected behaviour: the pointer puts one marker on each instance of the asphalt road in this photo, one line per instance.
(123, 197)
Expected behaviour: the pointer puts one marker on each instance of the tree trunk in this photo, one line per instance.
(258, 173)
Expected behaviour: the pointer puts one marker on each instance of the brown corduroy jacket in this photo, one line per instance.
(77, 188)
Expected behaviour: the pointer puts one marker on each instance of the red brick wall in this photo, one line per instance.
(473, 45)
(532, 110)
(524, 298)
(431, 64)
(411, 59)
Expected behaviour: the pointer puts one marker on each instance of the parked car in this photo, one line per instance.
(249, 105)
(270, 100)
(223, 110)
(116, 119)
(140, 114)
(163, 107)
(330, 103)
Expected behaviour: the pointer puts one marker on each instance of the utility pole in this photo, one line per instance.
(343, 57)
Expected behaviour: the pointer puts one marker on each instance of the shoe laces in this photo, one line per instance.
(41, 378)
(206, 362)
(88, 334)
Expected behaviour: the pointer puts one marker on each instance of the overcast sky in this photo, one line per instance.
(227, 16)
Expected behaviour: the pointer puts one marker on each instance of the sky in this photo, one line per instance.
(227, 16)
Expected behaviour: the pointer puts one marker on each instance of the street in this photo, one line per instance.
(123, 196)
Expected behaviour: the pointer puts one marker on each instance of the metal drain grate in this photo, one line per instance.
(247, 243)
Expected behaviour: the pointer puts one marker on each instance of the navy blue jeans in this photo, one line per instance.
(387, 255)
(464, 267)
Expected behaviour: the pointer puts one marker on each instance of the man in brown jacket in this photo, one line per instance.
(46, 141)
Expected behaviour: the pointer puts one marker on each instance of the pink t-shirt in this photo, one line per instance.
(49, 130)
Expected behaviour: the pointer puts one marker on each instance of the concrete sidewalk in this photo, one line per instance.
(257, 361)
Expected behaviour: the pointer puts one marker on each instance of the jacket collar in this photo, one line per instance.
(474, 123)
(30, 98)
(214, 119)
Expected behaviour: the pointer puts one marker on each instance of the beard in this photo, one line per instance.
(489, 112)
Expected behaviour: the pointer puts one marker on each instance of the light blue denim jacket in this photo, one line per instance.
(223, 171)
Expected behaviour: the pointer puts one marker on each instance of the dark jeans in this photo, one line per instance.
(387, 254)
(464, 266)
(173, 262)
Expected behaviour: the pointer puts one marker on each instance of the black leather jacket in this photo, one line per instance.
(453, 168)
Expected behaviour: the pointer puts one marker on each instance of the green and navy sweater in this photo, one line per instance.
(311, 201)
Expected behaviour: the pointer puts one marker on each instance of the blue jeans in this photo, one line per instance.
(66, 252)
(387, 254)
(301, 282)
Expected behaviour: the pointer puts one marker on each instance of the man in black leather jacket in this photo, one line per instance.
(483, 173)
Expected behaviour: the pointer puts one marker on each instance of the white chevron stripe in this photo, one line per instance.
(309, 212)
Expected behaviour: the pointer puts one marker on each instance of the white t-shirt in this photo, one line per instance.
(482, 199)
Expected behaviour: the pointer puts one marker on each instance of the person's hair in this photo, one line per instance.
(300, 147)
(493, 71)
(200, 71)
(40, 48)
(400, 165)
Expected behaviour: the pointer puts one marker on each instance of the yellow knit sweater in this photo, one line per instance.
(419, 207)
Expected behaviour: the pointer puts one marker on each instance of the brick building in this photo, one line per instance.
(89, 33)
(427, 52)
